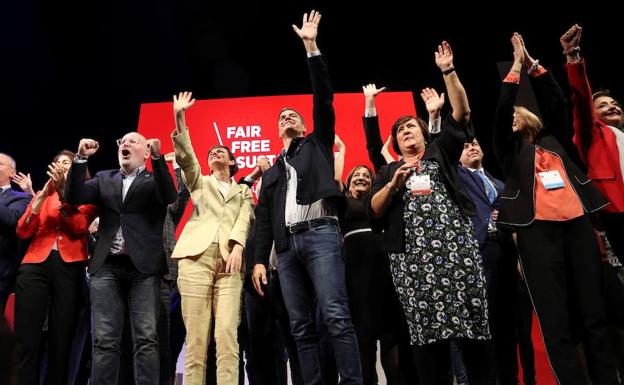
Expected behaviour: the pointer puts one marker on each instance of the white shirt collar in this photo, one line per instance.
(476, 169)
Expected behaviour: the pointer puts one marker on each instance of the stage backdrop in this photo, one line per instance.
(249, 125)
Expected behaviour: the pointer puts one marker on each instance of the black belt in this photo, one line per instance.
(300, 227)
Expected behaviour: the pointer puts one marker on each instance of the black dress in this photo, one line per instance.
(374, 305)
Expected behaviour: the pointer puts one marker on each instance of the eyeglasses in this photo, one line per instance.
(122, 141)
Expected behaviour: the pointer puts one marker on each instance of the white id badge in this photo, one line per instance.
(419, 184)
(551, 179)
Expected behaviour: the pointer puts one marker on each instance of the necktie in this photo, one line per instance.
(489, 189)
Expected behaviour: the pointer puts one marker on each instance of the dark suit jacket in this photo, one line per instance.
(175, 211)
(474, 186)
(517, 156)
(141, 215)
(12, 206)
(312, 157)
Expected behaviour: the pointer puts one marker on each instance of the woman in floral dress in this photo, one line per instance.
(436, 267)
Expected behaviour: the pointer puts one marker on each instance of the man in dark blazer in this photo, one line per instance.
(297, 209)
(12, 205)
(128, 260)
(499, 258)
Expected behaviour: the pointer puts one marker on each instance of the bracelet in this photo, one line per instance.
(448, 71)
(534, 67)
(80, 157)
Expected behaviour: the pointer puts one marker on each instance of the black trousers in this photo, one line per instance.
(433, 362)
(7, 281)
(52, 290)
(270, 343)
(500, 259)
(614, 227)
(561, 264)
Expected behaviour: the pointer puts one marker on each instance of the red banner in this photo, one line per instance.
(249, 125)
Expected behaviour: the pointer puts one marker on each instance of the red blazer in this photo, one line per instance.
(595, 141)
(69, 223)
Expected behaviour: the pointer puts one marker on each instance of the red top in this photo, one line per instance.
(595, 141)
(559, 204)
(66, 224)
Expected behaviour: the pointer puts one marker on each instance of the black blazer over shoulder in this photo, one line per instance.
(446, 150)
(517, 156)
(141, 215)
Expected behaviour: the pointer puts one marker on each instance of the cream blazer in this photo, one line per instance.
(213, 214)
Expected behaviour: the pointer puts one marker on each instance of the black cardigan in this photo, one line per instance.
(446, 150)
(517, 156)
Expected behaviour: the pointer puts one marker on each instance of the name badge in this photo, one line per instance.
(551, 179)
(419, 185)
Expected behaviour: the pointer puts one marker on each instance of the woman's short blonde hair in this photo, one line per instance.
(533, 123)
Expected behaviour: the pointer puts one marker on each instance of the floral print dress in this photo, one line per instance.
(439, 278)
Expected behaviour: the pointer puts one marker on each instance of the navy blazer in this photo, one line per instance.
(141, 215)
(12, 206)
(473, 184)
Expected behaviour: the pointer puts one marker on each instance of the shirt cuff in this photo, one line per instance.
(435, 125)
(314, 53)
(370, 112)
(512, 77)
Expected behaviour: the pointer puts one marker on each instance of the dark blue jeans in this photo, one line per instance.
(312, 271)
(118, 287)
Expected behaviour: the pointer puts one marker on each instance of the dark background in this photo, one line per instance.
(81, 69)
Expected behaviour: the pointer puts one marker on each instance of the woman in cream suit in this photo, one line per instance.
(210, 254)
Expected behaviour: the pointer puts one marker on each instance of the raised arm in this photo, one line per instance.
(339, 162)
(503, 135)
(372, 133)
(184, 153)
(323, 95)
(165, 189)
(78, 190)
(581, 94)
(550, 98)
(385, 152)
(456, 92)
(433, 104)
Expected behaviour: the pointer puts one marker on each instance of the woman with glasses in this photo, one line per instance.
(51, 277)
(210, 274)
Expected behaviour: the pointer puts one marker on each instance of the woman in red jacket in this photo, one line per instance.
(599, 139)
(50, 279)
